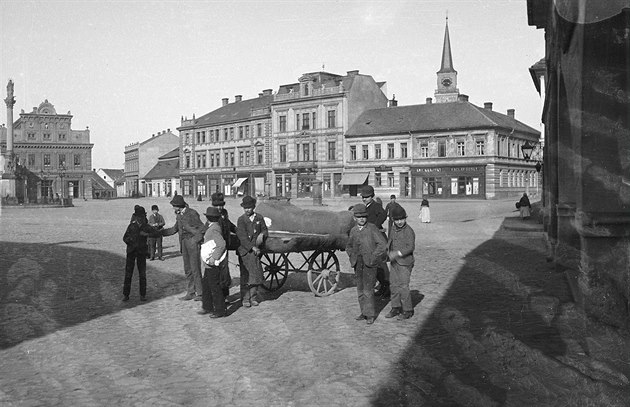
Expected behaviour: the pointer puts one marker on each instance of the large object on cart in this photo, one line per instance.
(303, 240)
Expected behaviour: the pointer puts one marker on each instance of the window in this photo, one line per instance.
(226, 159)
(480, 146)
(432, 186)
(332, 147)
(283, 153)
(390, 150)
(441, 148)
(461, 149)
(203, 136)
(62, 136)
(187, 138)
(297, 121)
(211, 160)
(241, 158)
(187, 161)
(282, 125)
(353, 153)
(31, 160)
(246, 131)
(390, 179)
(259, 156)
(366, 153)
(332, 119)
(314, 151)
(306, 152)
(403, 150)
(377, 151)
(232, 158)
(306, 121)
(424, 149)
(259, 129)
(241, 132)
(62, 160)
(297, 152)
(314, 121)
(77, 160)
(31, 136)
(46, 160)
(377, 179)
(225, 134)
(231, 133)
(499, 142)
(247, 157)
(198, 134)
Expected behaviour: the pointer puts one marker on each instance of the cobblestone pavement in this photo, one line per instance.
(493, 324)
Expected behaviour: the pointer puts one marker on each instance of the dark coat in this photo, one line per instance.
(368, 243)
(376, 214)
(188, 225)
(524, 201)
(135, 236)
(247, 232)
(402, 240)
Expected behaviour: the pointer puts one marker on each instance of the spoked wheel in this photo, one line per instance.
(323, 273)
(275, 270)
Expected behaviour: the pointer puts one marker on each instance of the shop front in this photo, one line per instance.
(449, 182)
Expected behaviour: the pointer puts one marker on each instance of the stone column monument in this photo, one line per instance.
(7, 185)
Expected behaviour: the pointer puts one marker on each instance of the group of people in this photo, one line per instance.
(376, 256)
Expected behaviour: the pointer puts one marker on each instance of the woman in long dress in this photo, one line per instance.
(525, 207)
(425, 212)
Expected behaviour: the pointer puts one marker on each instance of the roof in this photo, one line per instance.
(164, 169)
(174, 153)
(99, 183)
(433, 117)
(113, 173)
(235, 111)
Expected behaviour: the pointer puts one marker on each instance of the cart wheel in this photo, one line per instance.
(275, 270)
(323, 273)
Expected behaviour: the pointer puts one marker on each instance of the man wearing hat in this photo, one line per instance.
(388, 208)
(213, 253)
(251, 231)
(136, 239)
(376, 215)
(228, 231)
(366, 245)
(190, 229)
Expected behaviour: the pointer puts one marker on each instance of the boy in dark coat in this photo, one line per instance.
(136, 239)
(400, 246)
(228, 231)
(157, 221)
(366, 247)
(251, 231)
(213, 253)
(376, 215)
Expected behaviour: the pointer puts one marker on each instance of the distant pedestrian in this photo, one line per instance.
(376, 215)
(157, 221)
(213, 253)
(388, 208)
(366, 246)
(251, 231)
(425, 212)
(400, 247)
(189, 227)
(135, 238)
(524, 207)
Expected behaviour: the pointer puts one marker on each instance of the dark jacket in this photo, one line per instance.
(248, 231)
(402, 240)
(188, 225)
(368, 243)
(524, 201)
(157, 221)
(376, 214)
(135, 236)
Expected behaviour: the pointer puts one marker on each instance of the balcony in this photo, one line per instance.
(313, 93)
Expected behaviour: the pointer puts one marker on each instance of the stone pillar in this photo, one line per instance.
(7, 185)
(10, 102)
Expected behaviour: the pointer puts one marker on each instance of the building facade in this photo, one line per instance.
(49, 159)
(309, 119)
(163, 178)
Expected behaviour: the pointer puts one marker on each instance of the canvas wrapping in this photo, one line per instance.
(207, 250)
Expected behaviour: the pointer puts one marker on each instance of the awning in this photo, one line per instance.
(353, 178)
(238, 182)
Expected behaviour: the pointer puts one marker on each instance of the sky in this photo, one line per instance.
(130, 69)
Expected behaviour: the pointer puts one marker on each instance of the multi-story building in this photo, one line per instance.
(141, 157)
(447, 149)
(309, 119)
(48, 159)
(228, 149)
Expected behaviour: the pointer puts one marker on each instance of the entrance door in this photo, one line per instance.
(417, 187)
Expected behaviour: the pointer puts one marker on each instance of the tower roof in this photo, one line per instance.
(447, 58)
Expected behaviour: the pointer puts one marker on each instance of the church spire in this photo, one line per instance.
(447, 58)
(447, 75)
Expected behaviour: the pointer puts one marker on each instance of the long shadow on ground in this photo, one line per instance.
(499, 336)
(46, 287)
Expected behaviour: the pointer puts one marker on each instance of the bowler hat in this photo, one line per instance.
(154, 208)
(248, 202)
(218, 199)
(367, 191)
(212, 213)
(392, 196)
(139, 211)
(178, 201)
(398, 212)
(359, 210)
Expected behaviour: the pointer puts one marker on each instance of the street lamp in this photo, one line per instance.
(62, 173)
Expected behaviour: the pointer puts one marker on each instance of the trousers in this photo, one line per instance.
(400, 295)
(366, 278)
(212, 298)
(155, 244)
(134, 258)
(192, 266)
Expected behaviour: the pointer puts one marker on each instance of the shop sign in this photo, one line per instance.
(447, 170)
(383, 168)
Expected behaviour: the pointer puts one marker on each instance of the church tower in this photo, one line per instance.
(447, 76)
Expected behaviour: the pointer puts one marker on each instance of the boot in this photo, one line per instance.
(253, 293)
(394, 311)
(405, 315)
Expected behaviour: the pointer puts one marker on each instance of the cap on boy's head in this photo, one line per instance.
(139, 211)
(218, 199)
(248, 202)
(392, 196)
(178, 201)
(213, 214)
(359, 210)
(367, 191)
(398, 212)
(154, 208)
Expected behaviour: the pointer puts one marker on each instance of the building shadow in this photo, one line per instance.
(491, 328)
(47, 287)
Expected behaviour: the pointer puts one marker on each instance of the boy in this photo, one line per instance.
(366, 246)
(251, 231)
(157, 221)
(136, 239)
(400, 245)
(213, 253)
(228, 231)
(376, 215)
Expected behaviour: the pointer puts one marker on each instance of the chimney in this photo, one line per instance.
(462, 98)
(266, 92)
(169, 130)
(353, 73)
(429, 101)
(393, 102)
(260, 94)
(510, 112)
(487, 105)
(238, 98)
(224, 101)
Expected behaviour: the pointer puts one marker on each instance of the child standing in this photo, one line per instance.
(366, 247)
(157, 221)
(400, 246)
(136, 239)
(251, 231)
(213, 253)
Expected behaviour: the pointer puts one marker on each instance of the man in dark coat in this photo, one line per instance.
(190, 229)
(376, 215)
(228, 231)
(251, 231)
(136, 239)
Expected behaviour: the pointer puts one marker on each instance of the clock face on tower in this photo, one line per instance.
(447, 82)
